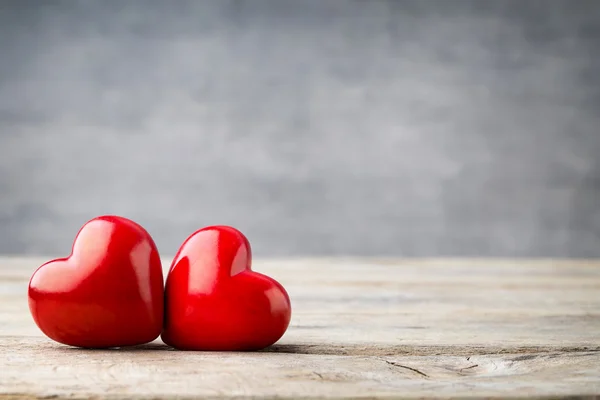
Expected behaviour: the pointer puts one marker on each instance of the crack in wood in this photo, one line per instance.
(525, 357)
(522, 353)
(472, 366)
(407, 367)
(416, 350)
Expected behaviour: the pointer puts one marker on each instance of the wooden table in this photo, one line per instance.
(360, 328)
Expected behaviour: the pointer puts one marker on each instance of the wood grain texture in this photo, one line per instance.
(360, 328)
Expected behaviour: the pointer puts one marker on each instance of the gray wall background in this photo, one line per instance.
(409, 128)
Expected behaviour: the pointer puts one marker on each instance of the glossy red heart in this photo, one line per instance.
(214, 301)
(107, 293)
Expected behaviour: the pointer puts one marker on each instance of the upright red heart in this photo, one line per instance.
(214, 301)
(107, 293)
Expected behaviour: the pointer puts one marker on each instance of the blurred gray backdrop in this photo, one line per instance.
(409, 128)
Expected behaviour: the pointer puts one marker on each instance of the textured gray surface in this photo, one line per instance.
(316, 127)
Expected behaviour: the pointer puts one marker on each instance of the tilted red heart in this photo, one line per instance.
(214, 301)
(107, 293)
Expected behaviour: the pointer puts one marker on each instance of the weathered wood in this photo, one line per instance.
(360, 328)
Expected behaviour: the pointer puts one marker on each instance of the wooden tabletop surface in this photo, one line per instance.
(360, 328)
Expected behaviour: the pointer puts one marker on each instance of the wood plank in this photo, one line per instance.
(360, 328)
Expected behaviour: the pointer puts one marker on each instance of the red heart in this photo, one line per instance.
(107, 293)
(214, 301)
